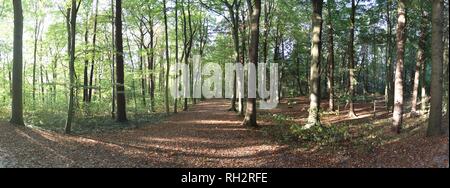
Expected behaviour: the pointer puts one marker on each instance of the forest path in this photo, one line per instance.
(205, 136)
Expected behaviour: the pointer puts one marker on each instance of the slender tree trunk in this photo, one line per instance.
(121, 100)
(435, 121)
(94, 53)
(175, 106)
(389, 90)
(314, 117)
(330, 57)
(113, 60)
(72, 34)
(17, 78)
(419, 63)
(351, 67)
(255, 11)
(86, 64)
(166, 29)
(36, 36)
(401, 43)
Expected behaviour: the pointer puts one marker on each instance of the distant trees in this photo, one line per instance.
(17, 78)
(314, 107)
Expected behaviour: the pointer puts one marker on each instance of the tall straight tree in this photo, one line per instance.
(166, 29)
(255, 11)
(175, 108)
(351, 65)
(72, 35)
(389, 88)
(316, 48)
(435, 121)
(121, 100)
(399, 72)
(17, 78)
(330, 57)
(420, 62)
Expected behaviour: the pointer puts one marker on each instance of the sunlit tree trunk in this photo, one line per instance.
(399, 72)
(330, 57)
(419, 64)
(314, 82)
(17, 78)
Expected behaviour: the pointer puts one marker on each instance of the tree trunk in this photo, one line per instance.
(389, 90)
(255, 11)
(401, 43)
(314, 117)
(435, 121)
(419, 63)
(94, 53)
(351, 67)
(330, 57)
(17, 78)
(72, 34)
(175, 106)
(167, 59)
(121, 100)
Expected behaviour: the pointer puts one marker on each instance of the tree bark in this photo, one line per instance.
(166, 29)
(255, 11)
(17, 78)
(121, 100)
(419, 64)
(330, 57)
(351, 67)
(72, 34)
(435, 121)
(314, 117)
(401, 43)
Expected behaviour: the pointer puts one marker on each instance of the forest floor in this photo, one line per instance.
(209, 136)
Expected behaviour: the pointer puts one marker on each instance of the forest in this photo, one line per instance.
(140, 83)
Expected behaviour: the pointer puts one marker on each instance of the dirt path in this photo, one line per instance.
(205, 136)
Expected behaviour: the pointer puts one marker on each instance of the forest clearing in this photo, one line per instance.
(224, 84)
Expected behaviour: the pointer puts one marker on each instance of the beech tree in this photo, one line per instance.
(17, 78)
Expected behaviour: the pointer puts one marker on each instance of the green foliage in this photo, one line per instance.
(320, 134)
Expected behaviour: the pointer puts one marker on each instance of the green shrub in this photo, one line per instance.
(322, 134)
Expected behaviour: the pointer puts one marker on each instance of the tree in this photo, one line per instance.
(314, 107)
(351, 65)
(389, 90)
(175, 108)
(72, 35)
(401, 43)
(330, 57)
(255, 11)
(17, 78)
(435, 121)
(121, 100)
(420, 62)
(166, 29)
